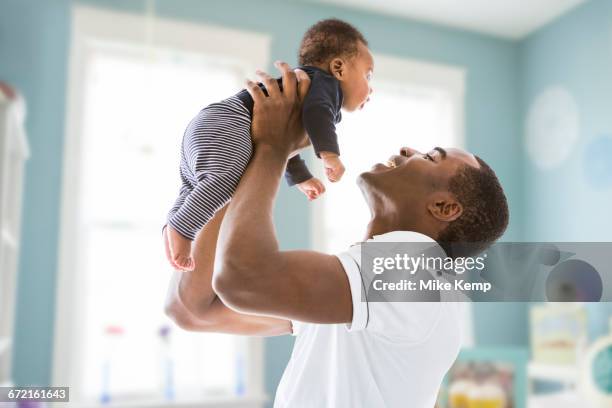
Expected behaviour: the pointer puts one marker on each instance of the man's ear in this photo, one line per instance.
(445, 207)
(337, 67)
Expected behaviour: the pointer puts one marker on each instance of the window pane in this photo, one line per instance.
(136, 109)
(136, 112)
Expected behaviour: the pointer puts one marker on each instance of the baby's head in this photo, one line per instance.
(341, 50)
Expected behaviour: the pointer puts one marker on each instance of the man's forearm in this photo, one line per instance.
(247, 235)
(248, 222)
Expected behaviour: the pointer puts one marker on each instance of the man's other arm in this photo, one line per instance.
(251, 274)
(192, 304)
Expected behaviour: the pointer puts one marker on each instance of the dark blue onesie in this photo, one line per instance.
(321, 111)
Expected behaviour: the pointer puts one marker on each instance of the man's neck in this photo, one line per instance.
(387, 219)
(380, 225)
(383, 223)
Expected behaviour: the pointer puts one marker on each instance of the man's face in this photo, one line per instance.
(409, 179)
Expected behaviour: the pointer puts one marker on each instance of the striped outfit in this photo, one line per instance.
(215, 152)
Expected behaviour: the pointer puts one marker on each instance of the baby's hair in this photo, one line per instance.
(328, 39)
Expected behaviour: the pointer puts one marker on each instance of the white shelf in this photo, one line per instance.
(218, 402)
(5, 344)
(13, 153)
(8, 238)
(565, 374)
(559, 400)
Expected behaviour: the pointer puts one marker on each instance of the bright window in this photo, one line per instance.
(131, 104)
(132, 136)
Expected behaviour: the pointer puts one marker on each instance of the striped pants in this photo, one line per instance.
(215, 152)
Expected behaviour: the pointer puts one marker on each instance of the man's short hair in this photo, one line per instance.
(329, 39)
(485, 211)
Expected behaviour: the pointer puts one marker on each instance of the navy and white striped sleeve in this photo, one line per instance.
(217, 147)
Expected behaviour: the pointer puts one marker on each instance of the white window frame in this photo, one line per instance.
(448, 78)
(90, 25)
(420, 74)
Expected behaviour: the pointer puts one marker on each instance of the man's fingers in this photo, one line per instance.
(255, 91)
(303, 83)
(270, 83)
(289, 79)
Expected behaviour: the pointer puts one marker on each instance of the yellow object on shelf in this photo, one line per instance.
(458, 393)
(488, 395)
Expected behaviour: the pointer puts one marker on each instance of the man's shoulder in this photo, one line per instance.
(402, 236)
(354, 251)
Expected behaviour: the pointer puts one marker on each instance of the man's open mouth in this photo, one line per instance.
(391, 164)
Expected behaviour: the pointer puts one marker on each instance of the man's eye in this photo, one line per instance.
(428, 157)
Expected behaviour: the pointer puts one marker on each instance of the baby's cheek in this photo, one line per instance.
(365, 90)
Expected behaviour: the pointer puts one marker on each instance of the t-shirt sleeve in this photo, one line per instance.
(360, 317)
(296, 327)
(405, 322)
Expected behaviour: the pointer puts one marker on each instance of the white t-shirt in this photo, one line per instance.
(392, 354)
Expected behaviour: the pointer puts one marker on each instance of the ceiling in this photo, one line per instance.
(506, 18)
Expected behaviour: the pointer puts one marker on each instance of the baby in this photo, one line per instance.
(217, 143)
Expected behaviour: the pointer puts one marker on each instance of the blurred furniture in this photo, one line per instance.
(565, 375)
(510, 367)
(13, 153)
(558, 334)
(587, 384)
(569, 399)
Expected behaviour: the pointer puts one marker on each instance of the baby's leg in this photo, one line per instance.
(178, 249)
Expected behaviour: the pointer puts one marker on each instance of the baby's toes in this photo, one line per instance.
(187, 263)
(181, 261)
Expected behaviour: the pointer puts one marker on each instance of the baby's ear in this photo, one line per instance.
(336, 67)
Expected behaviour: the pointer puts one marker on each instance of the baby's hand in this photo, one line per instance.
(312, 188)
(178, 250)
(334, 169)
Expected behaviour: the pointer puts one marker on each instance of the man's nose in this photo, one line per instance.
(408, 151)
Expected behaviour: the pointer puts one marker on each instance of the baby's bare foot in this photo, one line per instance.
(180, 250)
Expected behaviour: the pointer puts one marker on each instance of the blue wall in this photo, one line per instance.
(33, 57)
(572, 202)
(34, 40)
(574, 52)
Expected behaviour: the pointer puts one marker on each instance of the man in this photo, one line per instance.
(348, 353)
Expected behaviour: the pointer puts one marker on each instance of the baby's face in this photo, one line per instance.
(356, 83)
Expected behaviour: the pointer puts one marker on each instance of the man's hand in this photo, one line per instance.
(277, 121)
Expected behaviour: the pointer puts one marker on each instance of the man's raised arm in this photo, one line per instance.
(251, 274)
